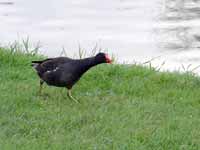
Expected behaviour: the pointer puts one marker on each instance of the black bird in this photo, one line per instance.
(64, 71)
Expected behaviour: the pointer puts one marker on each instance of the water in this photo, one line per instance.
(164, 31)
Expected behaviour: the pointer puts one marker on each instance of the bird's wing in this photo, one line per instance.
(50, 64)
(54, 63)
(58, 77)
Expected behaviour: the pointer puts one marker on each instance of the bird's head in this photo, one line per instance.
(103, 58)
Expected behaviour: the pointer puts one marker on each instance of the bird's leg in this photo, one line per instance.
(40, 90)
(70, 96)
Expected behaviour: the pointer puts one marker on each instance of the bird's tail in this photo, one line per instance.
(34, 64)
(38, 62)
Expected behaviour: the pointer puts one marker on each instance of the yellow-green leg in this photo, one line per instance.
(40, 90)
(71, 97)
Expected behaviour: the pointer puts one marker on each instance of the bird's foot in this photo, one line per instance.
(75, 100)
(71, 97)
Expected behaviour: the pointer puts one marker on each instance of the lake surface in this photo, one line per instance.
(167, 32)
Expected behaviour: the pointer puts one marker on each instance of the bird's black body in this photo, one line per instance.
(64, 71)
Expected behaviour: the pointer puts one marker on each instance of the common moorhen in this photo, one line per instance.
(64, 71)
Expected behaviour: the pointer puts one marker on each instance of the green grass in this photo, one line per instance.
(123, 107)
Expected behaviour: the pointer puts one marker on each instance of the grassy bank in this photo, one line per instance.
(122, 107)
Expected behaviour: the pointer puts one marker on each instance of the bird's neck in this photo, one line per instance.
(87, 63)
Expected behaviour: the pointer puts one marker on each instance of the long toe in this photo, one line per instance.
(72, 98)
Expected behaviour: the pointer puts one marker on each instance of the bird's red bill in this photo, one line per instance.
(108, 60)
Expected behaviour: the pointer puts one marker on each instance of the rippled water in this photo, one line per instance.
(164, 31)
